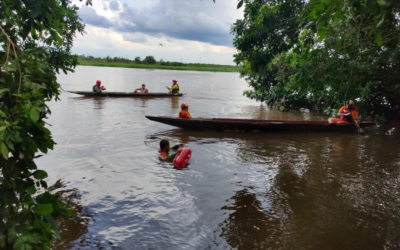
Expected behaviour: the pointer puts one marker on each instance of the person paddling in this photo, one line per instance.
(348, 114)
(184, 114)
(163, 153)
(98, 88)
(142, 90)
(175, 87)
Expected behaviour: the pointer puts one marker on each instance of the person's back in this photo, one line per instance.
(184, 114)
(96, 88)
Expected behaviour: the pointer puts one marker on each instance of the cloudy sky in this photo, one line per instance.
(189, 30)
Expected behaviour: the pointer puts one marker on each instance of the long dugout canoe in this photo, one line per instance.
(123, 94)
(221, 124)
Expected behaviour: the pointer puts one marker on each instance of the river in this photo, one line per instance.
(300, 191)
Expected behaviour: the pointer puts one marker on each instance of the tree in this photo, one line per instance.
(138, 60)
(36, 39)
(326, 54)
(149, 60)
(268, 29)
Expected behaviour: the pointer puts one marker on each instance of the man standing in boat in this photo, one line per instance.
(98, 88)
(175, 87)
(347, 114)
(184, 114)
(142, 90)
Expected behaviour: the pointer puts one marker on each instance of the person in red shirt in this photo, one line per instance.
(347, 114)
(184, 114)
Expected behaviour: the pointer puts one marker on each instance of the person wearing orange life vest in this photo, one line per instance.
(98, 88)
(184, 114)
(175, 87)
(347, 114)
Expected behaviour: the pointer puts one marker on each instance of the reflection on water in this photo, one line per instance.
(175, 102)
(321, 193)
(300, 191)
(98, 103)
(249, 226)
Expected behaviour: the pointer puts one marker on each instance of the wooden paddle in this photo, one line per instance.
(169, 89)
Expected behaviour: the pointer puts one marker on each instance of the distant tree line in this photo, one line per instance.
(138, 60)
(117, 59)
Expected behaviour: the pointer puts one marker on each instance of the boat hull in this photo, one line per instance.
(123, 94)
(221, 124)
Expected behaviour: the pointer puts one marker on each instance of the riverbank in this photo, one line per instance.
(191, 67)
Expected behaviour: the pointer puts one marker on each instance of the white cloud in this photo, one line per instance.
(188, 29)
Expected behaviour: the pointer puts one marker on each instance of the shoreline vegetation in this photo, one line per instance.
(150, 63)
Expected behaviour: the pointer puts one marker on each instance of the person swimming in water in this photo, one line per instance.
(163, 153)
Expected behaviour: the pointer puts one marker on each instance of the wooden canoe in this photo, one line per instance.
(221, 124)
(123, 94)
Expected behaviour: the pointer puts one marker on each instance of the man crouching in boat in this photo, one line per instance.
(184, 114)
(98, 88)
(163, 153)
(347, 114)
(142, 90)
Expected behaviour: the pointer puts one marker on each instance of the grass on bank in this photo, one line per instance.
(193, 67)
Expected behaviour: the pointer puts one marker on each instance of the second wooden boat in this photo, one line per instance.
(123, 94)
(221, 124)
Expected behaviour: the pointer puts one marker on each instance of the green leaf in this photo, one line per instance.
(383, 3)
(2, 114)
(240, 4)
(31, 189)
(34, 114)
(10, 145)
(321, 35)
(43, 209)
(17, 137)
(43, 184)
(378, 39)
(4, 90)
(4, 151)
(53, 225)
(25, 241)
(43, 225)
(381, 21)
(40, 174)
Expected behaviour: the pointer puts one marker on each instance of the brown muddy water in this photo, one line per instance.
(277, 191)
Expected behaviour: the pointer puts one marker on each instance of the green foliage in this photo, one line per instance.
(267, 30)
(149, 60)
(35, 40)
(328, 52)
